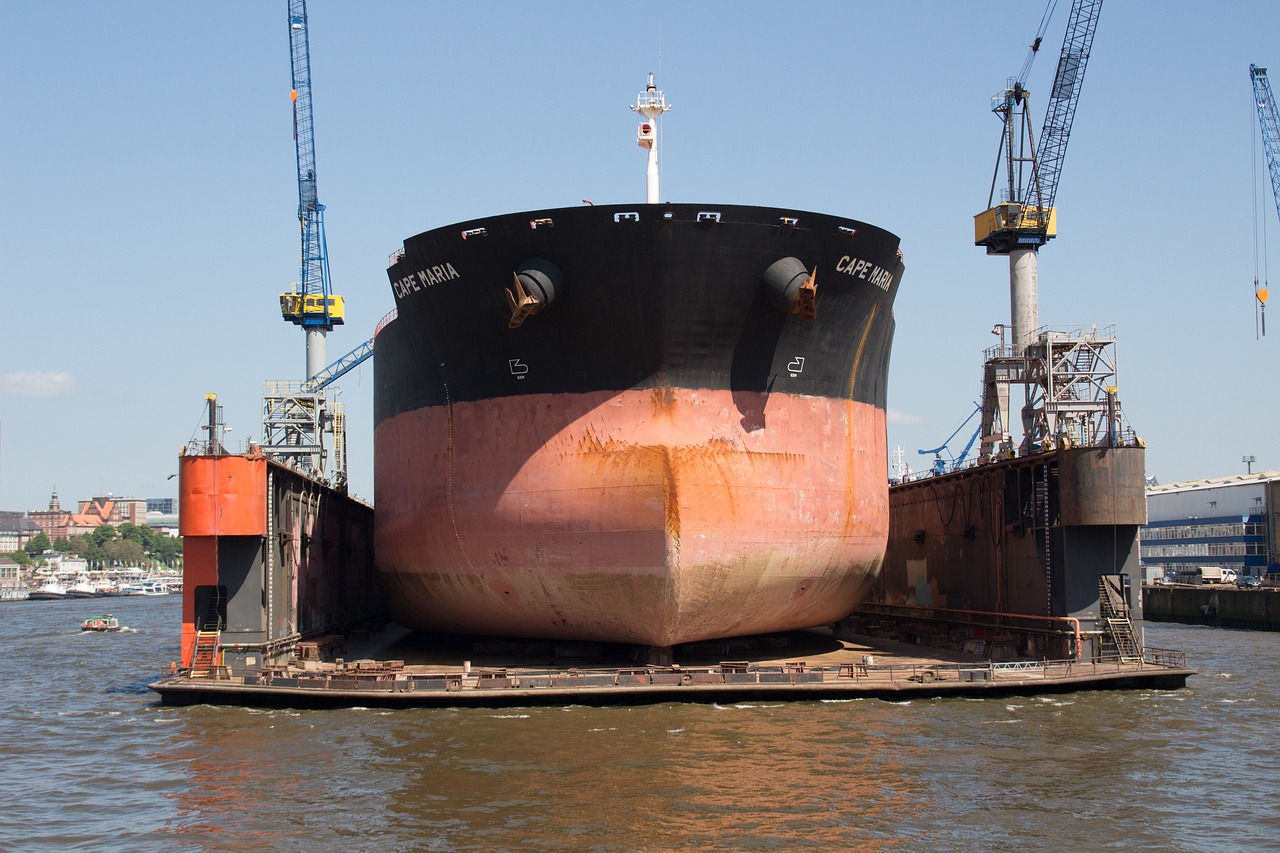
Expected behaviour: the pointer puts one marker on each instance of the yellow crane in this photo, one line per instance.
(1025, 218)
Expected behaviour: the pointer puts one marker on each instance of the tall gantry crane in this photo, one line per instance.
(1269, 123)
(312, 304)
(1026, 219)
(301, 426)
(1067, 377)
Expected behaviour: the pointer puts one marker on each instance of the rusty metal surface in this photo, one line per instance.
(653, 516)
(1159, 669)
(321, 556)
(1103, 485)
(1029, 535)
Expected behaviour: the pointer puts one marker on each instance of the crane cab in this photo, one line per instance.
(1011, 225)
(313, 309)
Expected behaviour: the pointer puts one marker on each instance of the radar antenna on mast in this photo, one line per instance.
(650, 103)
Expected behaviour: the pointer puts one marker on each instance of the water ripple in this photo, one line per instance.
(92, 760)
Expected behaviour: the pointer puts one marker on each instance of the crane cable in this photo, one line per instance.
(1035, 45)
(1020, 80)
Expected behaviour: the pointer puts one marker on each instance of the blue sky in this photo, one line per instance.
(148, 198)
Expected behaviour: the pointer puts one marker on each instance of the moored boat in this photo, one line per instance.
(50, 590)
(150, 587)
(82, 589)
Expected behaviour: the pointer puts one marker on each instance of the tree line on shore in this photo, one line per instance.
(126, 545)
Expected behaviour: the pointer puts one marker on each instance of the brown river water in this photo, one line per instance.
(92, 761)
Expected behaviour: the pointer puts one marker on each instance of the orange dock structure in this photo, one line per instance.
(272, 558)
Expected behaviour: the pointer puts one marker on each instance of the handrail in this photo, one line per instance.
(1070, 620)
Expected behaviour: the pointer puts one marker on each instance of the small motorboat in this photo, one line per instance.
(101, 623)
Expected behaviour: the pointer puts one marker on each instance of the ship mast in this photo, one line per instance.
(650, 103)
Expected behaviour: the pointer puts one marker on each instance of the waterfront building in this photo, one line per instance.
(1229, 522)
(66, 567)
(58, 523)
(90, 515)
(16, 531)
(164, 523)
(115, 511)
(10, 580)
(164, 506)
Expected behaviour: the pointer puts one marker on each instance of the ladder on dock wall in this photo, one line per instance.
(1114, 613)
(205, 657)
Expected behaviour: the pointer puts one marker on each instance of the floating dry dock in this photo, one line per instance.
(838, 669)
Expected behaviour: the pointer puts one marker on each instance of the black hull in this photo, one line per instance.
(671, 298)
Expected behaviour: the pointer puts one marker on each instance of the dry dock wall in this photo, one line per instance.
(271, 557)
(1031, 535)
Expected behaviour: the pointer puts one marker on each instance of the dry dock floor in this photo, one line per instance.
(397, 668)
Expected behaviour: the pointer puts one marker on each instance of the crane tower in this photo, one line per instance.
(299, 421)
(1067, 376)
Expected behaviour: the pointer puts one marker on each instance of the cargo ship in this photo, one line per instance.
(650, 424)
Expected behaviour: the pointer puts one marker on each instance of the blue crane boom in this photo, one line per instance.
(1269, 122)
(940, 466)
(312, 305)
(338, 369)
(348, 362)
(1065, 95)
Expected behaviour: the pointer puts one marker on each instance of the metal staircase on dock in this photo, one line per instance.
(205, 657)
(1113, 611)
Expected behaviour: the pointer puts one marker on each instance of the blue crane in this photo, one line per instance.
(348, 362)
(313, 305)
(1269, 122)
(939, 465)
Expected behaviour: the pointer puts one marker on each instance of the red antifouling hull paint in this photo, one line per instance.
(654, 518)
